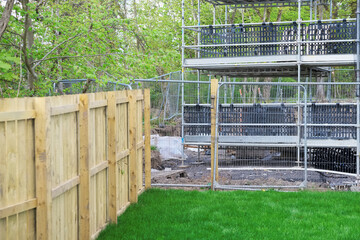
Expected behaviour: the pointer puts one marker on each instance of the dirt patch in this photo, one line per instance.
(198, 172)
(156, 162)
(168, 130)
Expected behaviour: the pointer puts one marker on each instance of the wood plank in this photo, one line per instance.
(147, 130)
(12, 176)
(122, 210)
(165, 174)
(139, 138)
(18, 208)
(139, 97)
(84, 187)
(98, 104)
(122, 100)
(95, 235)
(18, 115)
(132, 146)
(122, 154)
(111, 112)
(140, 145)
(214, 87)
(98, 168)
(43, 173)
(64, 187)
(141, 191)
(64, 109)
(3, 174)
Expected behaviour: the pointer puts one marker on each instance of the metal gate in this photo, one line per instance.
(261, 127)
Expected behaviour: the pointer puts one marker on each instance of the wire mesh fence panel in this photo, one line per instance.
(255, 156)
(158, 91)
(77, 86)
(260, 129)
(167, 94)
(321, 93)
(172, 105)
(245, 94)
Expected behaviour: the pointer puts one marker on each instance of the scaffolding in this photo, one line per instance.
(288, 128)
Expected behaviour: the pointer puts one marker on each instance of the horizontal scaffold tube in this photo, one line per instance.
(252, 83)
(269, 43)
(266, 23)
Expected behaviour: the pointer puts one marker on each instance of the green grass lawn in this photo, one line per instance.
(178, 214)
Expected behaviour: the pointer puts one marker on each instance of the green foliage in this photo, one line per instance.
(111, 40)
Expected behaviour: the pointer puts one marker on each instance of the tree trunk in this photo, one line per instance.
(28, 42)
(6, 16)
(320, 91)
(267, 89)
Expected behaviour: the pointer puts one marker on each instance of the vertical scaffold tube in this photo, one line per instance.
(328, 91)
(214, 15)
(305, 140)
(182, 76)
(299, 80)
(358, 90)
(198, 53)
(331, 8)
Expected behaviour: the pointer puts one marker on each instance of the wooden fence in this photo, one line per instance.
(71, 164)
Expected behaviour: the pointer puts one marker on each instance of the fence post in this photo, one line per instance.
(132, 146)
(43, 170)
(147, 138)
(111, 111)
(214, 87)
(84, 187)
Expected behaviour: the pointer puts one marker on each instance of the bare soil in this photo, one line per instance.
(197, 172)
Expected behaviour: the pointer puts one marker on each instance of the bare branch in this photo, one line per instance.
(110, 75)
(67, 40)
(77, 56)
(86, 86)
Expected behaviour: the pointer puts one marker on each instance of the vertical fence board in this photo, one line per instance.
(139, 139)
(43, 174)
(112, 156)
(147, 133)
(3, 173)
(84, 188)
(122, 147)
(132, 144)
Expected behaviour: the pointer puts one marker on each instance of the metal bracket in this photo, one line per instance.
(212, 101)
(303, 184)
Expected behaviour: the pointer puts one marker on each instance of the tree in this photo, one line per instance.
(6, 16)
